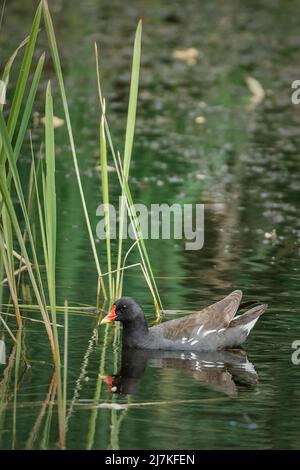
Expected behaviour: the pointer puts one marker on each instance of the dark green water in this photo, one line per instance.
(251, 163)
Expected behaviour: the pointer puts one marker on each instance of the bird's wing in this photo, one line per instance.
(214, 317)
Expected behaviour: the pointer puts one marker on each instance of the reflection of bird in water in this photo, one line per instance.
(220, 370)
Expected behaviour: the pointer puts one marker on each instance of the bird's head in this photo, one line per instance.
(125, 310)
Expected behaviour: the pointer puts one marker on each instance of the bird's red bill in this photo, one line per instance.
(111, 316)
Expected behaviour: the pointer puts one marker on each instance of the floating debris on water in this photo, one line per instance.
(258, 93)
(57, 121)
(271, 235)
(200, 120)
(189, 56)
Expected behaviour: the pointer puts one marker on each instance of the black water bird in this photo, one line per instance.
(214, 328)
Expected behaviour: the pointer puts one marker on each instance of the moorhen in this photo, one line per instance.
(213, 328)
(222, 371)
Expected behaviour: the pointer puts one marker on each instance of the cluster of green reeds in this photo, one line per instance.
(122, 166)
(18, 242)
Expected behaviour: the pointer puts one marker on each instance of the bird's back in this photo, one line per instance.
(215, 327)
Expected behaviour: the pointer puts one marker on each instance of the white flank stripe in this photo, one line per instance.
(208, 332)
(199, 329)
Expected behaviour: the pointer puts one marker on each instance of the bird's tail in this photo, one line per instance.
(247, 320)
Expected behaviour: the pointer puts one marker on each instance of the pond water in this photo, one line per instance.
(243, 164)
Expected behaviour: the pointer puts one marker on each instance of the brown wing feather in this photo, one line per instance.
(217, 315)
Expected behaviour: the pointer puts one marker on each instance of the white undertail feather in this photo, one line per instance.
(250, 325)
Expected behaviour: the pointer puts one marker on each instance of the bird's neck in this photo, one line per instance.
(134, 333)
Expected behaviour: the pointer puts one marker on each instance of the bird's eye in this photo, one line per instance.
(121, 308)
